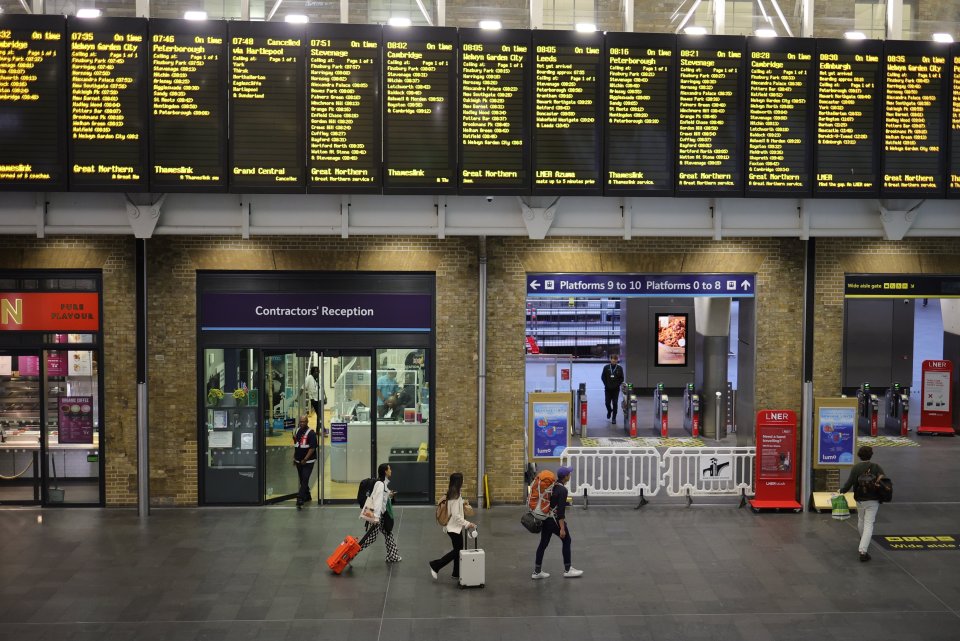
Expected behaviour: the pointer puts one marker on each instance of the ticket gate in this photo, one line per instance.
(629, 407)
(692, 410)
(580, 407)
(868, 410)
(661, 411)
(897, 416)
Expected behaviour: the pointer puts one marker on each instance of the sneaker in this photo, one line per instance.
(536, 576)
(433, 573)
(864, 557)
(396, 560)
(572, 573)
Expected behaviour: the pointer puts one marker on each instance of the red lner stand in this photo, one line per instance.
(776, 463)
(936, 398)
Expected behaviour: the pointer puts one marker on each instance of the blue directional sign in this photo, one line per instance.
(673, 285)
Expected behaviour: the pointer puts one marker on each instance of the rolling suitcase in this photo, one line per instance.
(345, 553)
(473, 566)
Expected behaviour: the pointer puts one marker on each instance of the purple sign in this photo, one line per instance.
(316, 312)
(56, 363)
(76, 419)
(674, 285)
(29, 365)
(338, 432)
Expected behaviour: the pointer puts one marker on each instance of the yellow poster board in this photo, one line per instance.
(549, 416)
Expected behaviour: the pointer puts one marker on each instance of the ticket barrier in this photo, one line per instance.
(897, 416)
(661, 411)
(580, 406)
(629, 407)
(692, 411)
(868, 410)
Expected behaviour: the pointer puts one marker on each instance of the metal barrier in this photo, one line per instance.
(613, 471)
(708, 471)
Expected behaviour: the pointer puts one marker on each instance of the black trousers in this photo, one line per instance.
(304, 471)
(610, 397)
(316, 409)
(456, 540)
(550, 528)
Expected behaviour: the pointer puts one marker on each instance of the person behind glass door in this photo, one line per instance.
(311, 388)
(454, 528)
(380, 497)
(612, 377)
(386, 387)
(304, 456)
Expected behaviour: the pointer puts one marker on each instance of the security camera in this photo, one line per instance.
(489, 199)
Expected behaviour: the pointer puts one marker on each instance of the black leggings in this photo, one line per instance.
(550, 528)
(456, 540)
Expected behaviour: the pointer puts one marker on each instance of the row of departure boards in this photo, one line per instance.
(132, 105)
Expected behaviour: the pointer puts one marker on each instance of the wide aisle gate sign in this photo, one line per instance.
(776, 468)
(936, 398)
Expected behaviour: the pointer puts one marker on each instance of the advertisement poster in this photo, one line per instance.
(338, 432)
(550, 429)
(836, 430)
(81, 363)
(56, 363)
(775, 447)
(776, 463)
(671, 340)
(6, 365)
(28, 365)
(76, 419)
(936, 391)
(714, 467)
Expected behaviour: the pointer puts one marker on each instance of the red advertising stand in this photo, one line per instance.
(776, 463)
(936, 398)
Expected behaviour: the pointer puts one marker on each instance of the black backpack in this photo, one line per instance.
(365, 489)
(867, 484)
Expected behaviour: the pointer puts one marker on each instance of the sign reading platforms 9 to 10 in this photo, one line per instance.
(137, 105)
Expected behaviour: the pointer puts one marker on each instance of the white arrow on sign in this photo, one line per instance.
(746, 284)
(534, 285)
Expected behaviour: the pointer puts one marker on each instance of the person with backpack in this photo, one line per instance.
(864, 478)
(304, 456)
(380, 501)
(456, 523)
(556, 523)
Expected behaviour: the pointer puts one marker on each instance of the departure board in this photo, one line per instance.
(343, 108)
(568, 112)
(779, 104)
(188, 115)
(710, 115)
(32, 105)
(420, 73)
(913, 159)
(848, 91)
(641, 99)
(494, 111)
(953, 184)
(266, 107)
(107, 104)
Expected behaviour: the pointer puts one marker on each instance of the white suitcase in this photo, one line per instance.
(473, 566)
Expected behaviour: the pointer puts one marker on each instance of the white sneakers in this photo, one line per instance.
(536, 576)
(572, 573)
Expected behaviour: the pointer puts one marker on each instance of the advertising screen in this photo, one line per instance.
(671, 340)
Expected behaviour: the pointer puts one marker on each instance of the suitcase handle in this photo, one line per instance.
(476, 540)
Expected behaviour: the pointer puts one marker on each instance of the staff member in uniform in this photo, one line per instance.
(612, 377)
(304, 456)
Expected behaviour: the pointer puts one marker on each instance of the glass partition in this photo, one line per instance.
(284, 376)
(349, 413)
(19, 427)
(403, 420)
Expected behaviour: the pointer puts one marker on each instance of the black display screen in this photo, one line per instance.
(343, 108)
(494, 111)
(33, 108)
(107, 104)
(266, 107)
(641, 99)
(915, 76)
(848, 92)
(779, 104)
(710, 114)
(419, 151)
(568, 112)
(188, 122)
(953, 186)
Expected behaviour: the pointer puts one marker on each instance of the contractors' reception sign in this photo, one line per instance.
(50, 311)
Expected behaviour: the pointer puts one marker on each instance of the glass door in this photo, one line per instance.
(286, 398)
(347, 382)
(20, 427)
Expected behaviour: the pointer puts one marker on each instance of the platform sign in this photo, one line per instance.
(936, 396)
(635, 285)
(835, 439)
(548, 426)
(776, 465)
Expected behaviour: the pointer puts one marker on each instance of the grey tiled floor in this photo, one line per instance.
(664, 572)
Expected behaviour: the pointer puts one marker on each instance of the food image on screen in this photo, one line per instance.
(671, 340)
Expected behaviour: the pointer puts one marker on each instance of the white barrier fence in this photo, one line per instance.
(643, 471)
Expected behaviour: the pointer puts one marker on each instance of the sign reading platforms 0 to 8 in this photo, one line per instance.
(709, 156)
(32, 106)
(108, 104)
(914, 151)
(266, 107)
(494, 113)
(568, 109)
(640, 140)
(779, 154)
(343, 102)
(419, 152)
(188, 123)
(848, 73)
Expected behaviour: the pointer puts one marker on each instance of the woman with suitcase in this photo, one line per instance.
(379, 501)
(456, 523)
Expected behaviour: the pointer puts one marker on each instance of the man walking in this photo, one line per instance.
(612, 377)
(304, 456)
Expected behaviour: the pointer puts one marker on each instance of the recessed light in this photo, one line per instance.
(296, 18)
(855, 35)
(942, 37)
(766, 33)
(586, 27)
(490, 24)
(695, 31)
(195, 15)
(88, 13)
(399, 22)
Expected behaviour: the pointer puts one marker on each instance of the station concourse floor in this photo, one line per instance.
(665, 572)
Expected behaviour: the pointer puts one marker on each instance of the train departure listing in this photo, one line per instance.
(567, 127)
(106, 107)
(912, 125)
(344, 114)
(708, 156)
(640, 138)
(846, 121)
(188, 137)
(32, 72)
(492, 126)
(419, 151)
(777, 115)
(266, 108)
(955, 130)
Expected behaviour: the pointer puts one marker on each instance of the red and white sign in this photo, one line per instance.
(936, 398)
(776, 464)
(50, 312)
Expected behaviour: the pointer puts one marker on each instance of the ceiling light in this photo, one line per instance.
(766, 33)
(490, 24)
(695, 31)
(586, 27)
(296, 18)
(942, 37)
(195, 15)
(855, 35)
(88, 13)
(399, 22)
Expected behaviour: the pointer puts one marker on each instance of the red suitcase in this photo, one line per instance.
(345, 552)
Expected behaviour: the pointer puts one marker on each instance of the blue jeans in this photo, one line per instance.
(866, 517)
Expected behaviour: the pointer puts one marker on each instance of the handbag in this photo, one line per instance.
(885, 490)
(529, 521)
(386, 523)
(367, 513)
(468, 509)
(841, 510)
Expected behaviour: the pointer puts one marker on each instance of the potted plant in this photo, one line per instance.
(240, 396)
(214, 396)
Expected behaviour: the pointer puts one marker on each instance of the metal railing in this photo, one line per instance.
(708, 471)
(613, 471)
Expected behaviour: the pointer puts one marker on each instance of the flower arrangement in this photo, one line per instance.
(214, 395)
(240, 394)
